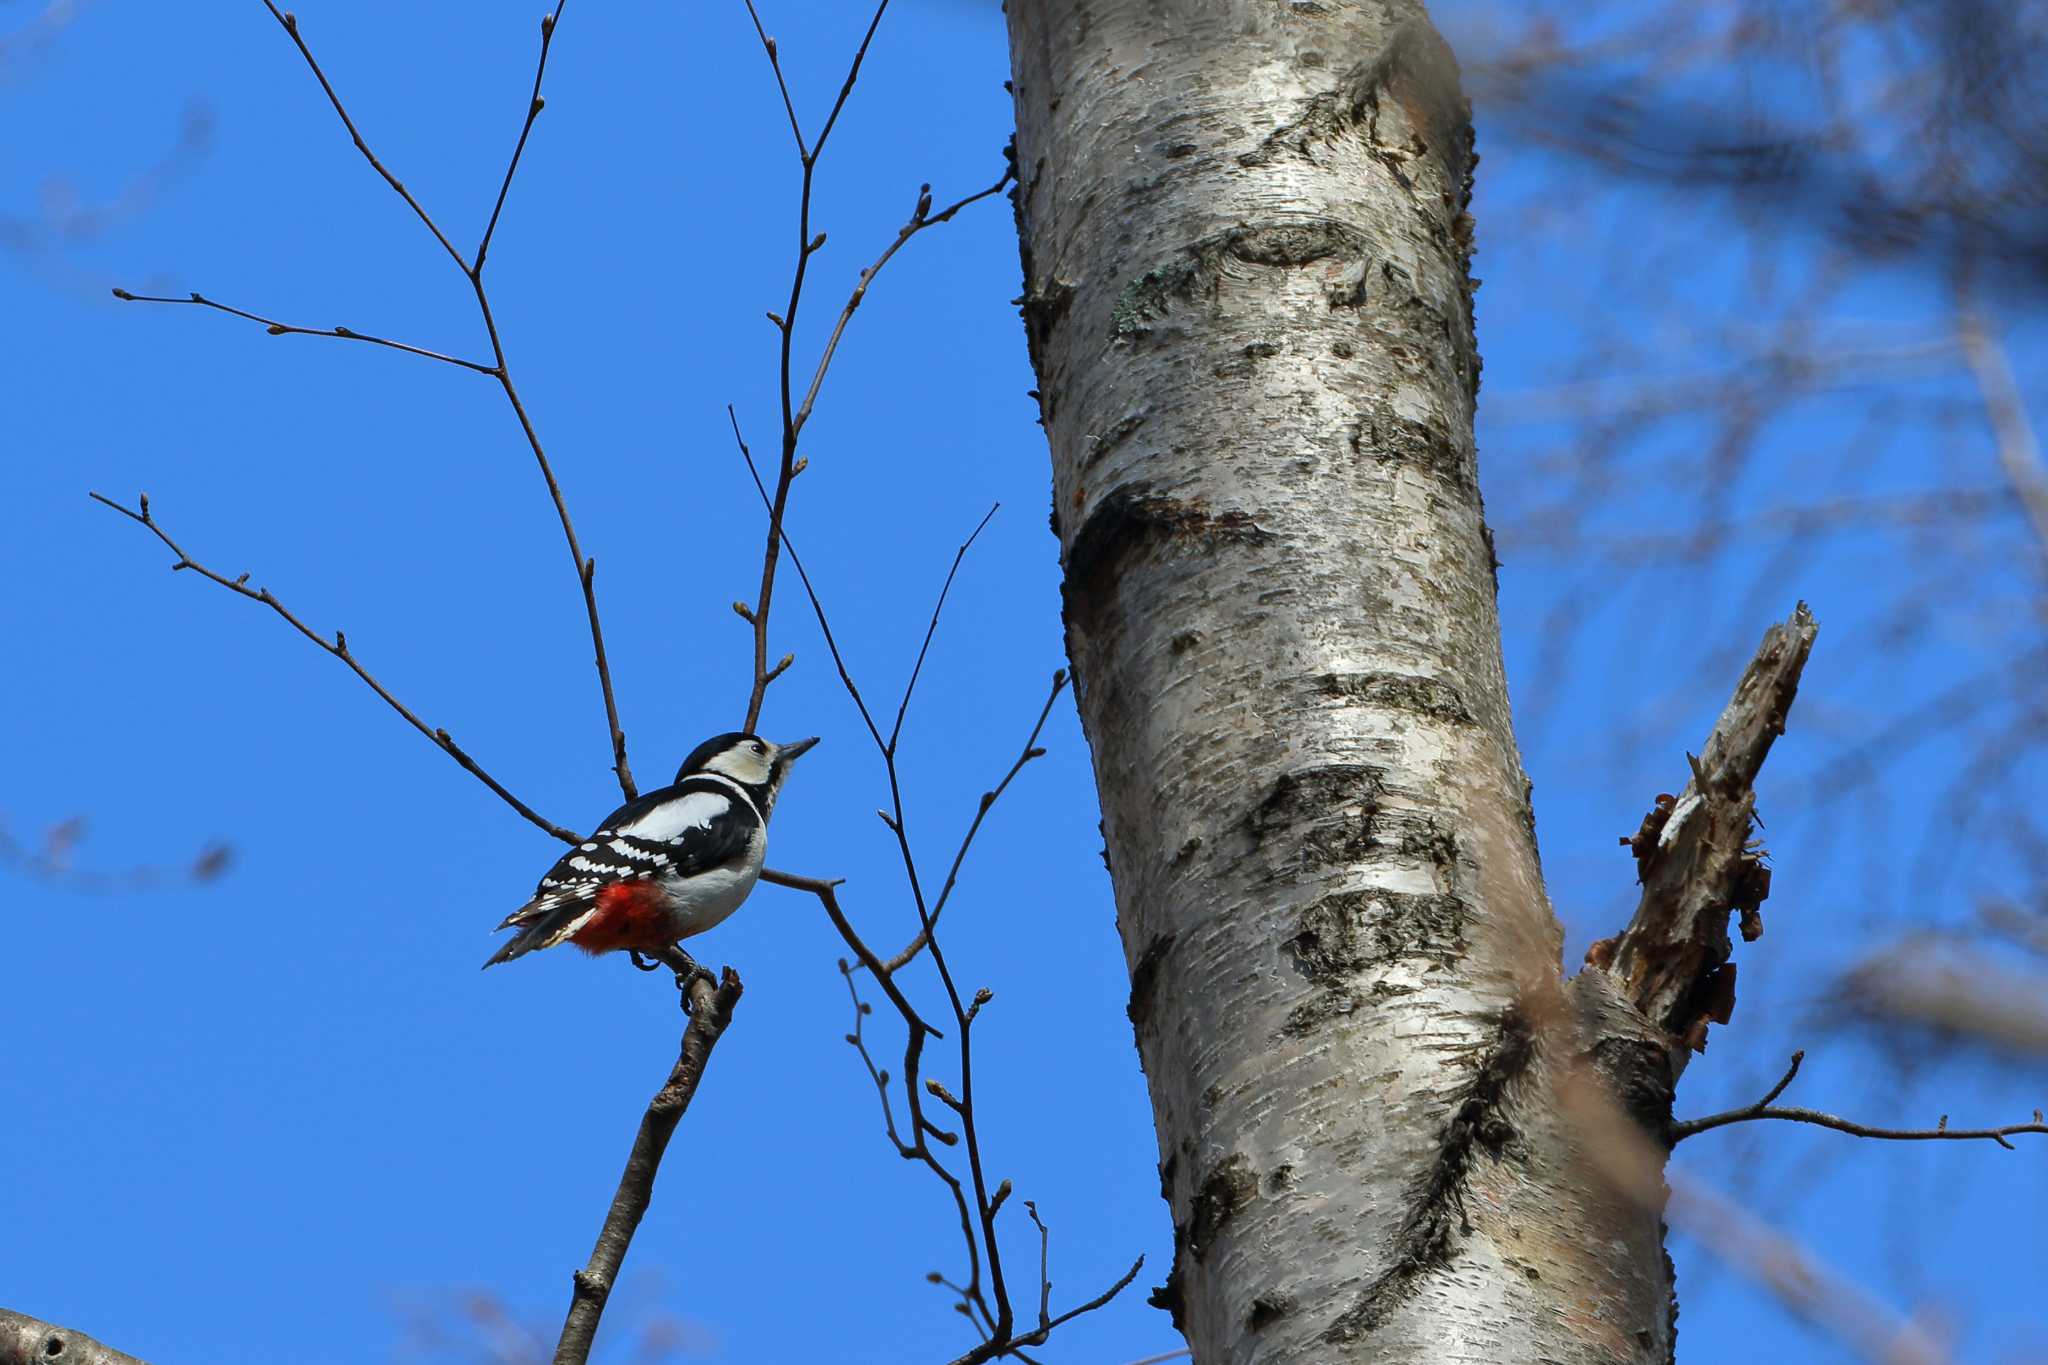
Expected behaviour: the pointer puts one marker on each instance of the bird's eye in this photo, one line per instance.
(759, 748)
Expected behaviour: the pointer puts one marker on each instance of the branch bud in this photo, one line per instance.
(276, 329)
(540, 102)
(769, 43)
(547, 25)
(744, 612)
(924, 204)
(124, 296)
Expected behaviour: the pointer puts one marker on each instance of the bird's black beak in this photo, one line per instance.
(786, 754)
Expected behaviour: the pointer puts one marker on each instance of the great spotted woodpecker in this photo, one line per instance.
(671, 864)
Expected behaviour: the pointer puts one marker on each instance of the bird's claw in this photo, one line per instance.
(686, 979)
(688, 972)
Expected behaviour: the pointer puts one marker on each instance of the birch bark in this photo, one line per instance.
(1247, 301)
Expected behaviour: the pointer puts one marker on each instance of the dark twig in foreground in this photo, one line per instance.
(338, 647)
(711, 1010)
(1765, 1109)
(50, 861)
(283, 329)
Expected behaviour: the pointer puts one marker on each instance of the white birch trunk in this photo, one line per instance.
(1245, 245)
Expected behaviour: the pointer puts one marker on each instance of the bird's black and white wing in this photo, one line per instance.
(691, 829)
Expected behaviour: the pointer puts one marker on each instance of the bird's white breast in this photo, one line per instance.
(700, 902)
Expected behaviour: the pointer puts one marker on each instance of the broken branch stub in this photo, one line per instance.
(1702, 867)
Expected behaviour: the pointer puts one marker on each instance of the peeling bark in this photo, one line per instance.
(1247, 301)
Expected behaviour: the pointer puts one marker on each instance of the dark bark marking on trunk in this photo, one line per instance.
(1099, 446)
(1268, 1309)
(1229, 1186)
(1043, 310)
(1343, 933)
(1636, 1074)
(1430, 697)
(1166, 1297)
(1145, 980)
(1671, 1280)
(1480, 1122)
(1133, 521)
(1327, 812)
(1285, 245)
(1418, 69)
(1390, 438)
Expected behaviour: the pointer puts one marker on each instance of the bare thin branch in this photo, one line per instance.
(281, 329)
(852, 75)
(903, 707)
(710, 1011)
(2019, 453)
(817, 608)
(338, 647)
(988, 801)
(585, 568)
(290, 23)
(533, 107)
(781, 83)
(1766, 1109)
(1940, 1133)
(920, 219)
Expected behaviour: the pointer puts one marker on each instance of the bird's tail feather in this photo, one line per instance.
(542, 922)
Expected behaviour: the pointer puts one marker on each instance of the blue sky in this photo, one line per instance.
(255, 1119)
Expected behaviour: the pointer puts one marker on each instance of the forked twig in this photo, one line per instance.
(797, 413)
(472, 271)
(338, 647)
(1765, 1109)
(281, 329)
